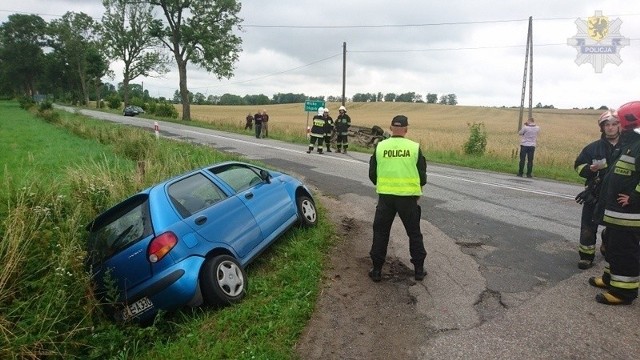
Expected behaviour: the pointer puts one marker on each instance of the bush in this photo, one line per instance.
(114, 102)
(151, 107)
(165, 109)
(136, 101)
(26, 102)
(477, 142)
(45, 105)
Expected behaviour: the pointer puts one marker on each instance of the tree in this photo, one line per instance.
(21, 55)
(73, 35)
(452, 99)
(443, 100)
(98, 66)
(201, 32)
(126, 34)
(406, 97)
(229, 99)
(390, 97)
(364, 97)
(432, 98)
(199, 98)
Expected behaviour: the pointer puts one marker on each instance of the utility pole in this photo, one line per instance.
(344, 70)
(528, 63)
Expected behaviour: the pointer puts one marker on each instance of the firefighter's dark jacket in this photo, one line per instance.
(623, 178)
(318, 126)
(421, 164)
(597, 150)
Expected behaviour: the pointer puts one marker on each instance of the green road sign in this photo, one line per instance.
(313, 105)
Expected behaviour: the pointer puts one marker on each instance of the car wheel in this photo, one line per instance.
(307, 211)
(223, 281)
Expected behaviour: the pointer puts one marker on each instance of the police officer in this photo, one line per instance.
(621, 199)
(399, 170)
(591, 164)
(328, 128)
(343, 122)
(317, 132)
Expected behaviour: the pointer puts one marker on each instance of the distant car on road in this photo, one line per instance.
(187, 240)
(132, 110)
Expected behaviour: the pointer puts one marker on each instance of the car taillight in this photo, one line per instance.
(160, 246)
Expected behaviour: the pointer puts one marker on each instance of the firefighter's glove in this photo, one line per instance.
(586, 197)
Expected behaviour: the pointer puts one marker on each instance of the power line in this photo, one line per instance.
(413, 25)
(273, 74)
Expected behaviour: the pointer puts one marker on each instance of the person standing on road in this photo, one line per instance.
(343, 122)
(257, 118)
(317, 131)
(249, 124)
(265, 123)
(399, 170)
(592, 164)
(328, 128)
(621, 199)
(528, 136)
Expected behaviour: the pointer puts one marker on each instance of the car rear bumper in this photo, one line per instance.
(172, 288)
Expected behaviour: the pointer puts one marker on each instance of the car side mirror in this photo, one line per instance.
(265, 176)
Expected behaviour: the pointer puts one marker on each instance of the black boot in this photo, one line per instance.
(375, 274)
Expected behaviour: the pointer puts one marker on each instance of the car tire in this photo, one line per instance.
(307, 213)
(223, 281)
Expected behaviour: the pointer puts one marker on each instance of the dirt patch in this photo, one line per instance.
(356, 318)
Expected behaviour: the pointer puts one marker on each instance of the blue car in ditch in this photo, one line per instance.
(187, 240)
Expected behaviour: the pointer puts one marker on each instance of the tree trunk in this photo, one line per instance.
(98, 100)
(83, 85)
(184, 92)
(125, 90)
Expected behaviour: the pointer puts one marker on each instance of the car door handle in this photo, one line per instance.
(248, 196)
(201, 220)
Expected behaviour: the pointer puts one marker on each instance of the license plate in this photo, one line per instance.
(136, 308)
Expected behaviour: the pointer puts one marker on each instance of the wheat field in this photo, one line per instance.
(563, 133)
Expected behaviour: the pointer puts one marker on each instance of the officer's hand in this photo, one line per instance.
(623, 200)
(585, 197)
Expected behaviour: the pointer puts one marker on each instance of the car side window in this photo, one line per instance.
(193, 194)
(238, 177)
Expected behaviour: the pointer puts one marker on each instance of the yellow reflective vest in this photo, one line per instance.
(397, 169)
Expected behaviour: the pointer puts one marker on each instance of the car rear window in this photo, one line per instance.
(118, 228)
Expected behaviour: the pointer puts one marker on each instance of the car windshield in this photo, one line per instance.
(119, 228)
(239, 177)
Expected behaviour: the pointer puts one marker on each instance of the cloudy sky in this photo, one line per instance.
(474, 49)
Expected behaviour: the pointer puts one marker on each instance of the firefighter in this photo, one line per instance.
(317, 131)
(343, 122)
(621, 199)
(591, 164)
(328, 128)
(399, 171)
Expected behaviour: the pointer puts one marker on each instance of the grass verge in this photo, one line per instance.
(78, 167)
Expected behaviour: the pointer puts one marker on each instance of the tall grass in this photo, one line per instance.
(47, 307)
